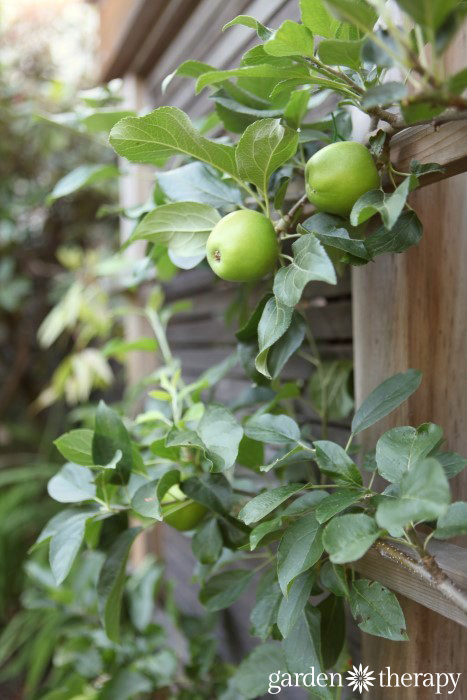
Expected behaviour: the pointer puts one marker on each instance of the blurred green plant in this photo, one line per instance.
(55, 644)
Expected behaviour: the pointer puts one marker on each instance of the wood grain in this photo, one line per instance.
(445, 144)
(453, 561)
(410, 311)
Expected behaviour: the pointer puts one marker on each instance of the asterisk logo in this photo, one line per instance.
(360, 678)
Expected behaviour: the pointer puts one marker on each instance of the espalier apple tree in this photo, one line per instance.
(309, 508)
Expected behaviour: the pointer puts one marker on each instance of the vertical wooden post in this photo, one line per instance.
(410, 311)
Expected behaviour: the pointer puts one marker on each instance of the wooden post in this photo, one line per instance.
(410, 311)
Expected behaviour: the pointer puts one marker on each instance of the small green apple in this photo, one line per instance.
(338, 174)
(243, 246)
(179, 511)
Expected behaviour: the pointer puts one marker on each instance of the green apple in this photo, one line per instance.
(243, 246)
(338, 174)
(180, 511)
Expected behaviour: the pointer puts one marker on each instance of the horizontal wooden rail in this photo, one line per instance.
(445, 144)
(450, 558)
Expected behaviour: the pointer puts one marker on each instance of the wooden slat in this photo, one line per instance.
(445, 144)
(453, 561)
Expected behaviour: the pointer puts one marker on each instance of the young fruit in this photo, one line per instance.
(181, 512)
(338, 174)
(243, 246)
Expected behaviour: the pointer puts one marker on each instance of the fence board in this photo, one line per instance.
(445, 144)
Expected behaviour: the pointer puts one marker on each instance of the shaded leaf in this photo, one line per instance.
(377, 610)
(266, 502)
(310, 262)
(300, 547)
(224, 589)
(348, 537)
(112, 580)
(166, 132)
(385, 398)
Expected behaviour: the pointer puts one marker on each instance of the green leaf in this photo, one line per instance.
(309, 501)
(72, 484)
(406, 232)
(264, 614)
(275, 320)
(302, 648)
(221, 434)
(189, 69)
(263, 148)
(357, 12)
(111, 435)
(104, 119)
(65, 544)
(453, 522)
(183, 227)
(428, 13)
(197, 182)
(166, 132)
(275, 429)
(378, 610)
(266, 502)
(400, 448)
(290, 39)
(451, 462)
(328, 230)
(299, 549)
(145, 501)
(207, 542)
(224, 589)
(292, 607)
(263, 32)
(388, 206)
(424, 495)
(285, 347)
(251, 678)
(333, 578)
(329, 389)
(318, 20)
(334, 461)
(385, 398)
(112, 580)
(256, 70)
(293, 456)
(310, 262)
(348, 537)
(262, 530)
(336, 503)
(250, 453)
(294, 111)
(76, 446)
(384, 95)
(332, 613)
(337, 52)
(248, 331)
(419, 169)
(82, 176)
(458, 82)
(211, 490)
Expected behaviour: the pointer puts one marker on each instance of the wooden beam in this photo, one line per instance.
(451, 559)
(445, 144)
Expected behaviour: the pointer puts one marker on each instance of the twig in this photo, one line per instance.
(427, 570)
(284, 223)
